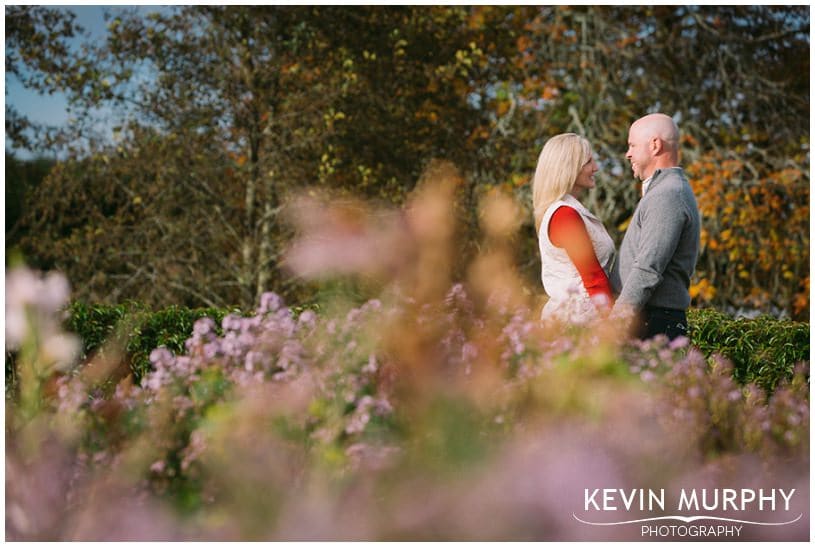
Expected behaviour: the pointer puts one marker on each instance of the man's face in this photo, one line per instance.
(639, 153)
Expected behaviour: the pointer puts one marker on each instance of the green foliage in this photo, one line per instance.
(137, 329)
(763, 350)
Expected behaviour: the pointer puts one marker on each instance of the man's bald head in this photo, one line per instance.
(653, 143)
(659, 125)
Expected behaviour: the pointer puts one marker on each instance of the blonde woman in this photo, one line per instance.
(576, 251)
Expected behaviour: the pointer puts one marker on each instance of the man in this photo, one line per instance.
(659, 251)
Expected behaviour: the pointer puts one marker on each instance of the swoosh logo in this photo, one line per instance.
(687, 519)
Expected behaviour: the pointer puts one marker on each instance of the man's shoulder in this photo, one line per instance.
(672, 176)
(671, 184)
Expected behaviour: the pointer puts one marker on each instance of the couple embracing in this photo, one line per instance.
(645, 285)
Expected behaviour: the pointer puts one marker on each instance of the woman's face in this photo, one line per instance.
(585, 177)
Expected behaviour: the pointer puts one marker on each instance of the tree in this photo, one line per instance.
(22, 178)
(227, 110)
(271, 100)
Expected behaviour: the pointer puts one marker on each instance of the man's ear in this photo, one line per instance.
(655, 146)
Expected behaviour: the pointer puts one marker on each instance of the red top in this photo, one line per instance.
(568, 232)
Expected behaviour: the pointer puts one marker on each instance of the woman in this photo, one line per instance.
(576, 251)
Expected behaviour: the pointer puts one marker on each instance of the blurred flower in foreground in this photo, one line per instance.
(440, 409)
(32, 297)
(34, 332)
(345, 238)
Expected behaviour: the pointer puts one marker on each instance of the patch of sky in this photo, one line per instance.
(54, 109)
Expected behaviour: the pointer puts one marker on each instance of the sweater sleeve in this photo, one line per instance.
(662, 221)
(567, 231)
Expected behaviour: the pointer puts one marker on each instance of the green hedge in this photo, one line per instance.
(138, 330)
(763, 350)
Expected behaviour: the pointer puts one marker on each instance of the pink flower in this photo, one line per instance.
(203, 326)
(269, 302)
(158, 466)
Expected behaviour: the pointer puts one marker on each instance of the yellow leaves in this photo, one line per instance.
(463, 58)
(624, 225)
(332, 116)
(328, 163)
(476, 20)
(137, 200)
(467, 59)
(702, 290)
(502, 107)
(480, 132)
(734, 254)
(399, 47)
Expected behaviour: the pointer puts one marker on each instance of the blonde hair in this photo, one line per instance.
(559, 163)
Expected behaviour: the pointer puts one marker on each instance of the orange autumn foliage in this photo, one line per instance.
(755, 236)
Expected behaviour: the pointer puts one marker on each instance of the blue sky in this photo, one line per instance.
(53, 109)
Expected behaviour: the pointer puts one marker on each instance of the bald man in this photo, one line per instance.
(659, 251)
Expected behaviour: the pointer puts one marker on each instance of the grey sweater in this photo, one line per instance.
(659, 251)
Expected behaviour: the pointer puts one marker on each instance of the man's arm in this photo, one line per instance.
(662, 223)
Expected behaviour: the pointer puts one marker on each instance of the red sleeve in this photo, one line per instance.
(567, 231)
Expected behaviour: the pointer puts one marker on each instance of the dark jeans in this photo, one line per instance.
(671, 323)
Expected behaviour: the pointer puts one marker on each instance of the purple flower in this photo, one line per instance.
(157, 466)
(211, 350)
(253, 360)
(371, 366)
(161, 357)
(308, 319)
(373, 304)
(269, 302)
(203, 326)
(469, 351)
(647, 376)
(679, 342)
(231, 322)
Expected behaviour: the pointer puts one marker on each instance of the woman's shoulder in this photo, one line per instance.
(565, 212)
